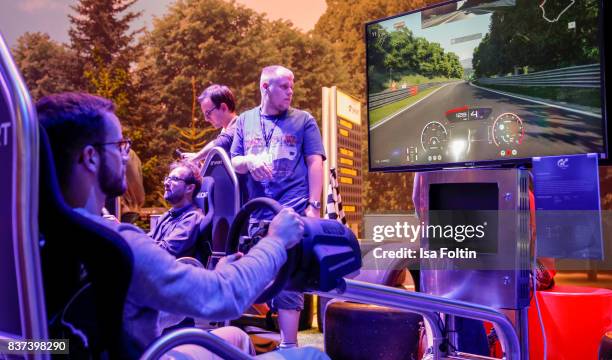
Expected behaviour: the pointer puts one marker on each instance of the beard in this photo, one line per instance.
(173, 197)
(111, 183)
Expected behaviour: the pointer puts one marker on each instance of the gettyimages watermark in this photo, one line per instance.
(412, 232)
(488, 240)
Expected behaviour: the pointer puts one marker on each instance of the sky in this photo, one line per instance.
(444, 33)
(51, 16)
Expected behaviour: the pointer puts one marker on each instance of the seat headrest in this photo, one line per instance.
(208, 182)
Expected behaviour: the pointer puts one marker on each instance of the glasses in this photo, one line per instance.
(208, 112)
(124, 145)
(174, 179)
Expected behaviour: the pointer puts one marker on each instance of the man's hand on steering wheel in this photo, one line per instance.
(288, 226)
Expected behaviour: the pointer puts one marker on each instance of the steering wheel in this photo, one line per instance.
(234, 239)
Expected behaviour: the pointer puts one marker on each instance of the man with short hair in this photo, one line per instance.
(90, 155)
(218, 105)
(177, 230)
(280, 149)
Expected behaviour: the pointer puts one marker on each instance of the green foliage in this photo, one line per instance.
(100, 32)
(589, 97)
(191, 139)
(214, 41)
(343, 23)
(44, 64)
(382, 112)
(396, 55)
(520, 37)
(419, 79)
(105, 49)
(110, 82)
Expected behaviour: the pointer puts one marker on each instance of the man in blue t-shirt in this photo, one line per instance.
(280, 149)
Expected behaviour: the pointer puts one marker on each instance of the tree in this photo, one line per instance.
(100, 31)
(519, 36)
(192, 139)
(215, 41)
(406, 55)
(343, 24)
(44, 64)
(105, 48)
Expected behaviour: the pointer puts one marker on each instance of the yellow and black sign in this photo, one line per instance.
(343, 141)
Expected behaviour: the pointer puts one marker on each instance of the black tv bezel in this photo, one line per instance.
(604, 158)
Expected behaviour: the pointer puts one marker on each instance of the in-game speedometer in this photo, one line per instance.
(434, 138)
(508, 129)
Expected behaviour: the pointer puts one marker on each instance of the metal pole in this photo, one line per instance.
(428, 306)
(194, 336)
(451, 326)
(522, 325)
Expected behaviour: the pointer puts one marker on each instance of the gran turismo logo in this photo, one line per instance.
(563, 163)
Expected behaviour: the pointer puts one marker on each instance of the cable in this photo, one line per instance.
(535, 286)
(538, 309)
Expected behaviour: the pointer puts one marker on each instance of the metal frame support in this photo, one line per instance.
(193, 336)
(429, 306)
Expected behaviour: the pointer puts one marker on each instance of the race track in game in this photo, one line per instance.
(547, 129)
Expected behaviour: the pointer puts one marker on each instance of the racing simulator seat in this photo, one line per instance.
(204, 200)
(67, 240)
(223, 200)
(94, 309)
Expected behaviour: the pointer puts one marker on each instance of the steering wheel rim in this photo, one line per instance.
(234, 238)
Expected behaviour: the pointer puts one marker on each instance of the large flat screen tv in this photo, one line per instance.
(485, 83)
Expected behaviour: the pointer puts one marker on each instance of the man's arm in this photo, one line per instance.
(223, 140)
(244, 163)
(159, 282)
(237, 150)
(200, 155)
(314, 154)
(255, 164)
(315, 182)
(240, 164)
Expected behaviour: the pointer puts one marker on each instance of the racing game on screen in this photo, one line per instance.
(484, 81)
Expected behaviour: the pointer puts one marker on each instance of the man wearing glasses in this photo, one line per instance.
(177, 230)
(218, 105)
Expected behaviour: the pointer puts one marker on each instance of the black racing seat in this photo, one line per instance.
(204, 200)
(225, 197)
(71, 243)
